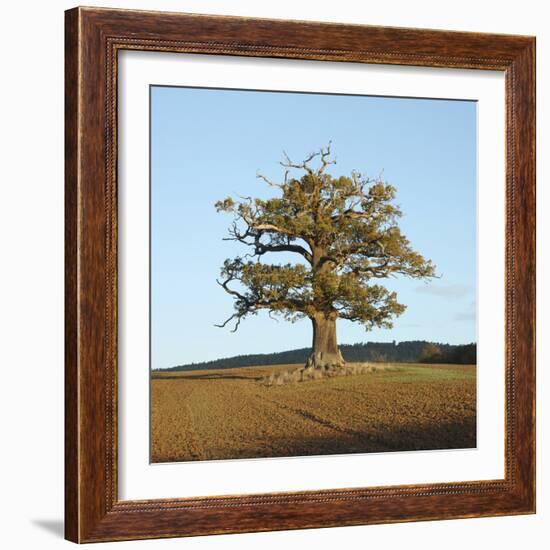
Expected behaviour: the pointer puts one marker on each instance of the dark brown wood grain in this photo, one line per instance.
(93, 38)
(71, 287)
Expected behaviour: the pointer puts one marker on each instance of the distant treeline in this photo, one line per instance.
(417, 351)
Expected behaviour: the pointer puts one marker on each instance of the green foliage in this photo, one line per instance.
(462, 355)
(344, 231)
(430, 354)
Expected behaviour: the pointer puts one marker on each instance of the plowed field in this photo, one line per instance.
(225, 414)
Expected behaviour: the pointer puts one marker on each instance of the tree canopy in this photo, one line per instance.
(344, 232)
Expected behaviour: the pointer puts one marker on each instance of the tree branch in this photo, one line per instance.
(263, 248)
(237, 316)
(269, 182)
(323, 154)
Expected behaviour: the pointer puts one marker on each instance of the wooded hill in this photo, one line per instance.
(418, 351)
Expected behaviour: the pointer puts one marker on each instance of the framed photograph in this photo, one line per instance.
(300, 275)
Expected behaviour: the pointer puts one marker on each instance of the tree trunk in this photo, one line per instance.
(325, 353)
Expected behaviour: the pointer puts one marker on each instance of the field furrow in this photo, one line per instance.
(225, 414)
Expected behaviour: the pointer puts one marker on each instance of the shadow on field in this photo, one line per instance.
(431, 437)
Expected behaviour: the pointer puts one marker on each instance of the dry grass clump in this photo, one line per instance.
(305, 374)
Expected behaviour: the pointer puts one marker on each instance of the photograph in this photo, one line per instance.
(313, 274)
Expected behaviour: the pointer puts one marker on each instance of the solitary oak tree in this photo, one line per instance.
(344, 232)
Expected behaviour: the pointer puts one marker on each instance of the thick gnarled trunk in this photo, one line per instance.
(325, 353)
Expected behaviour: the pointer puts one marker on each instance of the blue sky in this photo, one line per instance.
(209, 144)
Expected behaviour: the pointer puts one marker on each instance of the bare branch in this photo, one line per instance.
(273, 228)
(263, 248)
(237, 316)
(270, 314)
(287, 163)
(269, 182)
(325, 161)
(323, 154)
(230, 290)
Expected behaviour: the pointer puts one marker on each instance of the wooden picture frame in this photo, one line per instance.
(93, 511)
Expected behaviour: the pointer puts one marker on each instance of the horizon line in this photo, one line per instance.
(395, 342)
